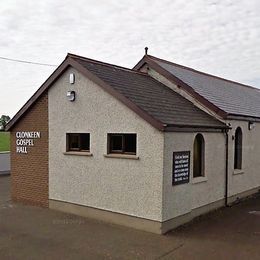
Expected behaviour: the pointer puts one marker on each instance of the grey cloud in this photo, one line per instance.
(219, 37)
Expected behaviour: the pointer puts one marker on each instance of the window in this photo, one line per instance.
(198, 156)
(238, 149)
(78, 142)
(122, 143)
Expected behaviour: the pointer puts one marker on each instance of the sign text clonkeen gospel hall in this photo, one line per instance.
(25, 139)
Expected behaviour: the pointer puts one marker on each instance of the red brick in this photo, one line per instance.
(29, 172)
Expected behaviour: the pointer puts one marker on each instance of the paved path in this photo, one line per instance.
(34, 233)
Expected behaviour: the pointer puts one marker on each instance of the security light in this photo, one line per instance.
(71, 95)
(251, 125)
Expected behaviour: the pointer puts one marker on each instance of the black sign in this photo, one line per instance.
(181, 168)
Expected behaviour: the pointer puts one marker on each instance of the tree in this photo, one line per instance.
(3, 121)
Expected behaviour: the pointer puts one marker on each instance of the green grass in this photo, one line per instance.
(4, 141)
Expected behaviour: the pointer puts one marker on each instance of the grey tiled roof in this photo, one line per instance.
(151, 96)
(231, 97)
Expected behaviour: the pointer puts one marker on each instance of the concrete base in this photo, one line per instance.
(237, 197)
(183, 219)
(107, 216)
(141, 223)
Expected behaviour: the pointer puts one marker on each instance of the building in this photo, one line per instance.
(149, 147)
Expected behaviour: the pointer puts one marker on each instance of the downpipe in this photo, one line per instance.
(226, 169)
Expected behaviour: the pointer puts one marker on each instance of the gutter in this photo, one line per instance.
(243, 118)
(195, 128)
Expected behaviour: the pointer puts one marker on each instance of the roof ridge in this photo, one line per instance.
(105, 63)
(203, 73)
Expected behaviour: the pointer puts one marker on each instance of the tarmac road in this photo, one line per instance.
(34, 233)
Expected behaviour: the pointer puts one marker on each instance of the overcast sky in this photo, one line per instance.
(221, 37)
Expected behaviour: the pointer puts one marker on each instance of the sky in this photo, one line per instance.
(221, 37)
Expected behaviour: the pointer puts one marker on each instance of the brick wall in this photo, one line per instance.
(29, 172)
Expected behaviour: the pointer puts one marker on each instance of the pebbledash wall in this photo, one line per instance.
(29, 171)
(131, 187)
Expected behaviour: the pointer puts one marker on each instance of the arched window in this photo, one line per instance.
(238, 149)
(198, 156)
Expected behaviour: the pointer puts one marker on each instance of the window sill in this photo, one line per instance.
(122, 156)
(78, 153)
(199, 179)
(238, 172)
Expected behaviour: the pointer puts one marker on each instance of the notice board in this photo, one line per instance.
(181, 167)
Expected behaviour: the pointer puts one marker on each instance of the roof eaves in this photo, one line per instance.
(243, 117)
(180, 83)
(196, 128)
(220, 126)
(70, 60)
(50, 80)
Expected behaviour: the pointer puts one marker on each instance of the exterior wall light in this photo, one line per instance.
(251, 125)
(72, 78)
(71, 96)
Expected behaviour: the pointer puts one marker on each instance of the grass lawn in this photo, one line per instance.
(4, 141)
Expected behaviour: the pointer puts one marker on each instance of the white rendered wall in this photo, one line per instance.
(249, 176)
(181, 199)
(132, 187)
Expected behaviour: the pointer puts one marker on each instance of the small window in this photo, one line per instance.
(238, 149)
(78, 142)
(198, 156)
(122, 143)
